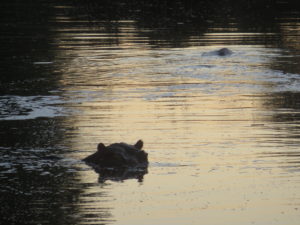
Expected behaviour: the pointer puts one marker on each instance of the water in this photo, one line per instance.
(222, 133)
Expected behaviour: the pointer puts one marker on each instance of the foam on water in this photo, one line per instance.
(13, 107)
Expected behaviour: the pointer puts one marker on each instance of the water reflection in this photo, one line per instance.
(120, 174)
(285, 122)
(31, 189)
(39, 182)
(30, 107)
(221, 132)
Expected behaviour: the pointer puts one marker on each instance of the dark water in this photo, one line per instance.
(222, 132)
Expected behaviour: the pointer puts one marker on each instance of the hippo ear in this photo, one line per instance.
(139, 144)
(101, 147)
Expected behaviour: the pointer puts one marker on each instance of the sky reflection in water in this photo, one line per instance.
(222, 133)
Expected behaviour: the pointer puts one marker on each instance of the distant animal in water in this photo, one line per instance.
(220, 52)
(224, 52)
(119, 155)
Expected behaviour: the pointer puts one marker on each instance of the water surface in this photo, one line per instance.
(222, 133)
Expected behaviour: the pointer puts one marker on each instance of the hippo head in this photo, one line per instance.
(119, 155)
(224, 52)
(138, 146)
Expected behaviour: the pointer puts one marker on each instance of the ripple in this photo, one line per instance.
(13, 107)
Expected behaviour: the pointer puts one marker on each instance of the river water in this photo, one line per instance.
(222, 132)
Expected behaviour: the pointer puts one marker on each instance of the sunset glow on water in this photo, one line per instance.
(221, 132)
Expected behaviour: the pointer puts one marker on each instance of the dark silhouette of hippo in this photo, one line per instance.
(224, 52)
(220, 52)
(119, 155)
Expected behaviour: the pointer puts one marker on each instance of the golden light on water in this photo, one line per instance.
(206, 123)
(221, 126)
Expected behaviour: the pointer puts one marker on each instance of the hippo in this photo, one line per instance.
(119, 155)
(220, 52)
(224, 52)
